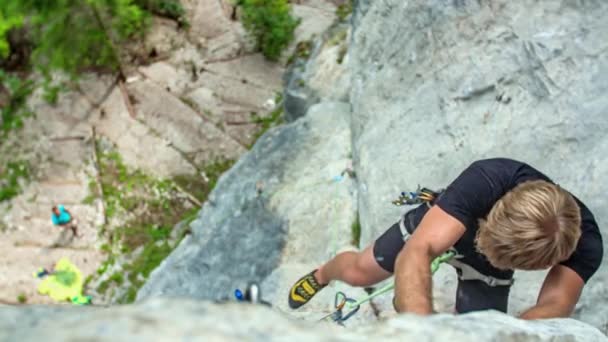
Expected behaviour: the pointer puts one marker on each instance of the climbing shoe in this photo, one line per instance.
(303, 290)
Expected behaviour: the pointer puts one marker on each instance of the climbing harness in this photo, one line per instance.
(346, 307)
(465, 271)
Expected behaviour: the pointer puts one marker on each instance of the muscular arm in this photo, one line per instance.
(558, 296)
(436, 233)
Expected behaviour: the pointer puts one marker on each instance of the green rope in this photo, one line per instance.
(434, 267)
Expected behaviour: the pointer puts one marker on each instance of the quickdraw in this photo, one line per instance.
(346, 307)
(341, 302)
(422, 195)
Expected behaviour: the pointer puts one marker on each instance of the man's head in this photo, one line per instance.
(55, 210)
(534, 226)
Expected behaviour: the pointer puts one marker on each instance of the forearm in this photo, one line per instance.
(546, 310)
(413, 282)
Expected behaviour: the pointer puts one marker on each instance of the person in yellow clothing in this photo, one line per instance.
(63, 283)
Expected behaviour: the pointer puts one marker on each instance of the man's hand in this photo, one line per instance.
(558, 296)
(437, 232)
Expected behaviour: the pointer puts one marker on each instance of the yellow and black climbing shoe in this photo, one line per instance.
(303, 290)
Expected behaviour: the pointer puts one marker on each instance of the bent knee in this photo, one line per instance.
(355, 277)
(359, 274)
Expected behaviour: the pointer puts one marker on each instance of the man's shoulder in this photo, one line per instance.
(501, 163)
(510, 171)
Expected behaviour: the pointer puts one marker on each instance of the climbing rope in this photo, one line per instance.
(346, 307)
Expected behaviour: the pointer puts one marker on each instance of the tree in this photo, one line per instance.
(7, 24)
(71, 35)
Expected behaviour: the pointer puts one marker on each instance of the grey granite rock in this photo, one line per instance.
(439, 84)
(169, 320)
(279, 203)
(433, 86)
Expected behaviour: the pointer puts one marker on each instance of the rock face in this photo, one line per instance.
(431, 87)
(436, 86)
(324, 75)
(191, 320)
(261, 215)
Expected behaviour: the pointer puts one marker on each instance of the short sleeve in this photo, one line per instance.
(588, 254)
(473, 193)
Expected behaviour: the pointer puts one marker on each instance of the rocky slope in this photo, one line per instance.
(192, 104)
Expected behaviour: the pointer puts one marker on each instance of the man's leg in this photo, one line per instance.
(353, 268)
(374, 264)
(475, 295)
(73, 227)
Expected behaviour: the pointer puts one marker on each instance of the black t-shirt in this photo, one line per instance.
(473, 193)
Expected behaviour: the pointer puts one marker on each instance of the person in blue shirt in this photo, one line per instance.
(63, 218)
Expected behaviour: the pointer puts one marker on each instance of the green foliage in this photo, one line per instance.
(15, 111)
(270, 24)
(215, 169)
(355, 232)
(274, 119)
(156, 206)
(117, 278)
(104, 266)
(338, 38)
(130, 296)
(302, 51)
(106, 248)
(9, 179)
(7, 23)
(103, 286)
(344, 10)
(71, 35)
(151, 257)
(51, 91)
(191, 215)
(199, 187)
(21, 298)
(87, 280)
(166, 8)
(89, 200)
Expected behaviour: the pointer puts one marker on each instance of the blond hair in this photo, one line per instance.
(534, 226)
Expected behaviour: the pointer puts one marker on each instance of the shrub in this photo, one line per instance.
(7, 23)
(344, 10)
(167, 8)
(72, 35)
(270, 24)
(21, 298)
(13, 113)
(10, 175)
